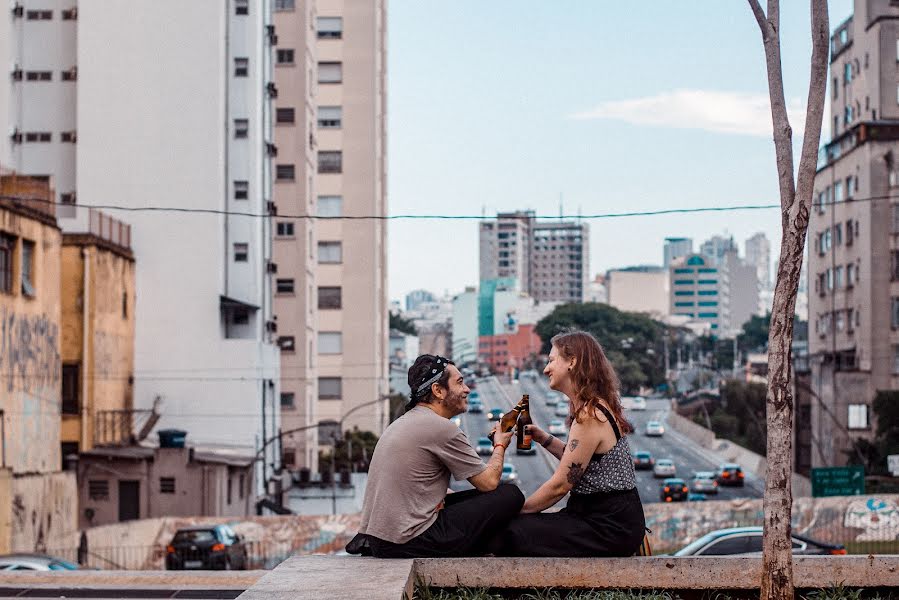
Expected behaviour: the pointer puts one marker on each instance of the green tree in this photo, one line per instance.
(353, 452)
(398, 322)
(633, 342)
(754, 337)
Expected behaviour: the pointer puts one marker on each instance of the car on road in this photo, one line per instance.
(633, 402)
(655, 429)
(35, 562)
(730, 474)
(473, 395)
(510, 474)
(696, 497)
(484, 446)
(207, 547)
(557, 428)
(475, 405)
(561, 410)
(552, 398)
(674, 490)
(704, 481)
(748, 540)
(643, 460)
(495, 414)
(664, 467)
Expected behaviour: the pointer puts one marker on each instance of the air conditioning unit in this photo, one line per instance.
(271, 149)
(272, 89)
(18, 10)
(16, 136)
(271, 326)
(272, 208)
(271, 267)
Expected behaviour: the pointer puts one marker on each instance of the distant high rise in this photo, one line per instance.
(416, 298)
(716, 248)
(676, 247)
(550, 260)
(758, 254)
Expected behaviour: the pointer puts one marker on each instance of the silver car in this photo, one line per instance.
(704, 482)
(664, 467)
(654, 428)
(34, 562)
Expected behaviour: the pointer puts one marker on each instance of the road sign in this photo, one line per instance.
(838, 481)
(893, 464)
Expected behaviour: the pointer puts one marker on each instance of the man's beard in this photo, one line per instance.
(452, 401)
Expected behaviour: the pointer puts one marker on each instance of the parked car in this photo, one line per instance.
(475, 405)
(654, 428)
(561, 410)
(557, 428)
(704, 481)
(495, 414)
(35, 562)
(748, 540)
(730, 474)
(643, 460)
(674, 490)
(633, 403)
(211, 547)
(696, 497)
(552, 398)
(484, 446)
(664, 467)
(510, 474)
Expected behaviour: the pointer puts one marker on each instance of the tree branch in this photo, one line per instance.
(759, 15)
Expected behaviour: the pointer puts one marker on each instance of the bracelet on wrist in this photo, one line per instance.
(548, 441)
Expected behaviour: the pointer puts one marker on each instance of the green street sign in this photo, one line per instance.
(838, 481)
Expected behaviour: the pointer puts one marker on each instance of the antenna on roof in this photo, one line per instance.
(561, 210)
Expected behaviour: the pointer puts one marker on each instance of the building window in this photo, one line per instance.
(284, 286)
(242, 484)
(241, 190)
(70, 389)
(895, 359)
(894, 312)
(68, 136)
(240, 317)
(284, 5)
(847, 73)
(284, 229)
(7, 248)
(39, 15)
(329, 206)
(287, 399)
(70, 14)
(329, 298)
(329, 28)
(288, 457)
(70, 75)
(166, 485)
(330, 342)
(98, 489)
(38, 136)
(241, 128)
(284, 56)
(330, 388)
(284, 115)
(241, 67)
(858, 416)
(330, 117)
(230, 490)
(39, 75)
(330, 161)
(241, 7)
(285, 172)
(330, 253)
(287, 343)
(330, 72)
(241, 252)
(28, 268)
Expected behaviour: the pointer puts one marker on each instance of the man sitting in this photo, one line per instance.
(406, 512)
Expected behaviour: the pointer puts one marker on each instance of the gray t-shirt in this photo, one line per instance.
(410, 472)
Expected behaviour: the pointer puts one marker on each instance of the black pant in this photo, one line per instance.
(468, 520)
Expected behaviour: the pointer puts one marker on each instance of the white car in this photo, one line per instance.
(34, 562)
(562, 410)
(510, 474)
(664, 467)
(552, 398)
(557, 428)
(654, 428)
(704, 482)
(638, 403)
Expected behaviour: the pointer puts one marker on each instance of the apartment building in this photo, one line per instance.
(700, 290)
(676, 247)
(853, 260)
(758, 254)
(351, 263)
(643, 289)
(158, 129)
(550, 260)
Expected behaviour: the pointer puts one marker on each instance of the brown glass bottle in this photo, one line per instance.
(508, 420)
(524, 419)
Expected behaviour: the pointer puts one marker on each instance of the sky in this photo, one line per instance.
(582, 108)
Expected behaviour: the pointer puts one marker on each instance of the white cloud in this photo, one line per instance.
(721, 112)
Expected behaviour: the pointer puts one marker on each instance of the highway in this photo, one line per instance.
(533, 470)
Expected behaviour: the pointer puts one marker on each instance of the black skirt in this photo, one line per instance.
(601, 524)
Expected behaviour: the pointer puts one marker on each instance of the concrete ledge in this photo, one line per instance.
(658, 572)
(184, 580)
(346, 577)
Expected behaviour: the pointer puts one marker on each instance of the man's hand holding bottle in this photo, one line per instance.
(502, 438)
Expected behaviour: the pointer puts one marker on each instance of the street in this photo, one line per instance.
(535, 469)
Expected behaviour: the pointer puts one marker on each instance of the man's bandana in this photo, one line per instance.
(436, 372)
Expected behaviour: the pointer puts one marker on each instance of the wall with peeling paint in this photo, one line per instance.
(43, 512)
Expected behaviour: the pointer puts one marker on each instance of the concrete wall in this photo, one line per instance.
(639, 291)
(37, 512)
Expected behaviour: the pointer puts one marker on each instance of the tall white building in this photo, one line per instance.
(676, 247)
(162, 103)
(758, 254)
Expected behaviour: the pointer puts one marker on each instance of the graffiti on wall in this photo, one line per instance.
(44, 511)
(878, 519)
(29, 352)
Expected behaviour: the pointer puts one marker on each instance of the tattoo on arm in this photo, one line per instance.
(575, 472)
(572, 444)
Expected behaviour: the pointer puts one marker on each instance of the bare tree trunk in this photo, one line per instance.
(795, 203)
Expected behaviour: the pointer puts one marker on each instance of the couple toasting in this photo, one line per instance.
(408, 513)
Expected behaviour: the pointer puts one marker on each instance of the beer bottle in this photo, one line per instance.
(524, 419)
(508, 420)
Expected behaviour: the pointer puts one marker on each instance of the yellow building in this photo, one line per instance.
(97, 335)
(38, 503)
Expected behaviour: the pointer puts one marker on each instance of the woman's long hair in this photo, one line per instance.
(592, 377)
